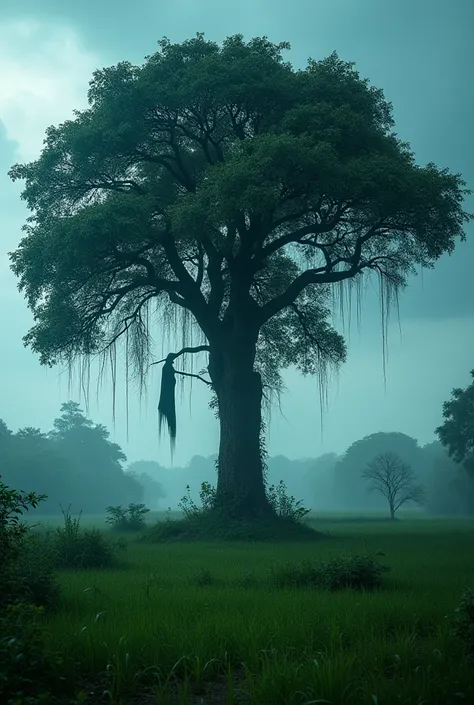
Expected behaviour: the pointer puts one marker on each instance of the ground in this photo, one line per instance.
(191, 623)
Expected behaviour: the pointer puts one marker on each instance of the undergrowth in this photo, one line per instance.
(360, 572)
(80, 549)
(208, 523)
(131, 518)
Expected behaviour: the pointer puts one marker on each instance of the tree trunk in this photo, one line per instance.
(240, 482)
(392, 513)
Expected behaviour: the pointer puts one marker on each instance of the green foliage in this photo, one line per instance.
(457, 430)
(34, 578)
(207, 520)
(13, 504)
(29, 671)
(285, 505)
(464, 622)
(82, 549)
(25, 572)
(207, 495)
(130, 519)
(359, 572)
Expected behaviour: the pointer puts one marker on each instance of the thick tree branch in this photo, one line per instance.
(183, 351)
(310, 276)
(189, 290)
(321, 275)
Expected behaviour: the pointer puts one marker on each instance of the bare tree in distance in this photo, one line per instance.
(395, 480)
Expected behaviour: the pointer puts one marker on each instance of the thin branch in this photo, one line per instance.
(190, 374)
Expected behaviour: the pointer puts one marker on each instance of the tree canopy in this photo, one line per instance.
(456, 433)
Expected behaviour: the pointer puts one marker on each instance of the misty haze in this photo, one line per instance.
(237, 372)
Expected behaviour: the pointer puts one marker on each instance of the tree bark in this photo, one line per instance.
(240, 482)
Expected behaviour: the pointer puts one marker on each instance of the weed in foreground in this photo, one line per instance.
(81, 549)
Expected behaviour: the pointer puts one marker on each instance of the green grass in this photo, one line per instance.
(200, 623)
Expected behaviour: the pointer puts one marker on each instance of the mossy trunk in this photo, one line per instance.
(240, 482)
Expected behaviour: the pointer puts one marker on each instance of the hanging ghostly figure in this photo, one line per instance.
(166, 405)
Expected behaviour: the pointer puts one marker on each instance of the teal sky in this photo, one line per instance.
(420, 52)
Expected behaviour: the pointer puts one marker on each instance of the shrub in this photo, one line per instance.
(27, 668)
(27, 571)
(13, 504)
(130, 519)
(34, 573)
(360, 572)
(82, 549)
(285, 505)
(464, 622)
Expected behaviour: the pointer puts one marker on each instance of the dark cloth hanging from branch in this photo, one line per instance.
(166, 405)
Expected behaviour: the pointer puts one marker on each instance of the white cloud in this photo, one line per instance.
(44, 74)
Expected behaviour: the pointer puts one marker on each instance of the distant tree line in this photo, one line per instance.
(74, 464)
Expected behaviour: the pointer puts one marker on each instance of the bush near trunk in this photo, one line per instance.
(208, 521)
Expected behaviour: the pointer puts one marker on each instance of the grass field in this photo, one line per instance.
(200, 623)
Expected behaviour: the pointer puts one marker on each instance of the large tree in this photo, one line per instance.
(219, 190)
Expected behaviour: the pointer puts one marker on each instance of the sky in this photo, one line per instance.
(420, 52)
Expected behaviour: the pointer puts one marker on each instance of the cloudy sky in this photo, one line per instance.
(419, 51)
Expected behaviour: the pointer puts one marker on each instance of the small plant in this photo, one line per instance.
(187, 505)
(360, 572)
(207, 495)
(204, 578)
(464, 622)
(130, 519)
(81, 549)
(285, 505)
